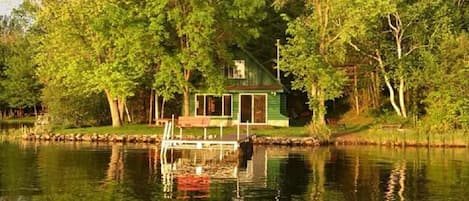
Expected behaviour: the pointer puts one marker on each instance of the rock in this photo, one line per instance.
(86, 138)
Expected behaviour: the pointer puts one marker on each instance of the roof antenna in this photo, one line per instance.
(278, 59)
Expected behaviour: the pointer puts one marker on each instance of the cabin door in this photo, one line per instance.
(253, 108)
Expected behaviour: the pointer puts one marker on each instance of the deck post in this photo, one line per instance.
(221, 131)
(247, 129)
(237, 128)
(205, 133)
(172, 127)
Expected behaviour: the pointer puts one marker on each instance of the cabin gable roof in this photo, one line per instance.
(257, 77)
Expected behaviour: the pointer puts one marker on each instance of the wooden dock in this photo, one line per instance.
(229, 141)
(226, 142)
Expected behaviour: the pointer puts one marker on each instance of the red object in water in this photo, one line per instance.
(193, 183)
(199, 186)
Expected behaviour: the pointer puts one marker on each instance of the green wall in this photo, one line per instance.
(274, 105)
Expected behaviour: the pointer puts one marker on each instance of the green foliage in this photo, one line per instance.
(74, 109)
(446, 79)
(18, 81)
(97, 47)
(90, 47)
(20, 86)
(201, 34)
(386, 116)
(316, 45)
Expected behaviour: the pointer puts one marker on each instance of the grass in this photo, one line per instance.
(408, 136)
(366, 130)
(19, 120)
(143, 129)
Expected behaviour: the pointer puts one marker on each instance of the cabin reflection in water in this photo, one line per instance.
(187, 174)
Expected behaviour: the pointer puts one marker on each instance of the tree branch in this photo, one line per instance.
(390, 24)
(413, 48)
(364, 53)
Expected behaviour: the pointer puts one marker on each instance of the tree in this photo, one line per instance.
(99, 46)
(445, 77)
(21, 88)
(318, 42)
(394, 39)
(19, 83)
(201, 34)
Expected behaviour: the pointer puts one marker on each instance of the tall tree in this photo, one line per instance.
(201, 34)
(20, 88)
(445, 78)
(99, 46)
(394, 39)
(318, 42)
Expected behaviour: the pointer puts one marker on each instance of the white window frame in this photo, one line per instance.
(252, 108)
(205, 105)
(239, 66)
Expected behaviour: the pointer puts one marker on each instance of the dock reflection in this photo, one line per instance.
(187, 174)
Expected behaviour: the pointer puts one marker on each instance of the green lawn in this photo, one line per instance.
(19, 120)
(143, 129)
(407, 136)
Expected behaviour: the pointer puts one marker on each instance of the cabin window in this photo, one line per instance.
(210, 105)
(238, 71)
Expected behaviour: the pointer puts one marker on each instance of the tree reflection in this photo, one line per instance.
(115, 171)
(397, 177)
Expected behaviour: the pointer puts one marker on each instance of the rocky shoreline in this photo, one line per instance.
(256, 140)
(407, 143)
(156, 139)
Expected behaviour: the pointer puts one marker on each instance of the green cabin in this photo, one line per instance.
(252, 95)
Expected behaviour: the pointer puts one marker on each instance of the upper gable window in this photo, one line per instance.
(238, 71)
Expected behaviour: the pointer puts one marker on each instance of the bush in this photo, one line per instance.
(68, 110)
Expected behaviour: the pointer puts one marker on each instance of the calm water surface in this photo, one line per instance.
(60, 171)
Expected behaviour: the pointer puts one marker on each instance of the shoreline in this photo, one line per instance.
(256, 140)
(156, 139)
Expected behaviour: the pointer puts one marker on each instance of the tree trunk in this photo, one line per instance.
(322, 109)
(157, 107)
(319, 110)
(162, 107)
(186, 101)
(398, 31)
(391, 97)
(121, 108)
(355, 90)
(402, 98)
(375, 88)
(114, 109)
(313, 95)
(150, 113)
(388, 84)
(129, 118)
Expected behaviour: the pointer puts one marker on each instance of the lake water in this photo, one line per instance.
(84, 171)
(6, 128)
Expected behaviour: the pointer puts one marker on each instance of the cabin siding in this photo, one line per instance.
(273, 108)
